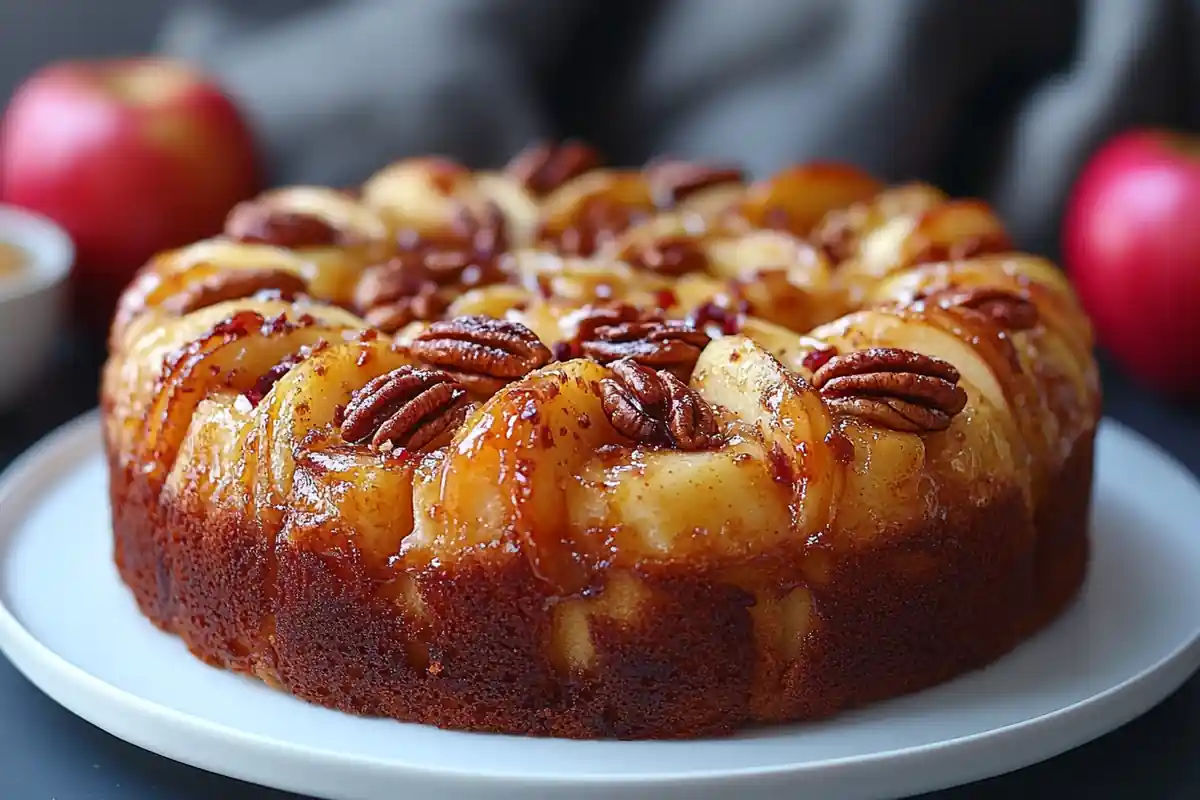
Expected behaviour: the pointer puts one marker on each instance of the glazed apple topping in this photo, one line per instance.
(408, 408)
(424, 306)
(1008, 309)
(465, 254)
(597, 222)
(654, 407)
(266, 382)
(420, 282)
(673, 180)
(545, 166)
(260, 222)
(234, 285)
(671, 256)
(970, 247)
(481, 352)
(662, 344)
(893, 388)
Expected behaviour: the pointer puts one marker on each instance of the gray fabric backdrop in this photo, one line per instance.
(997, 98)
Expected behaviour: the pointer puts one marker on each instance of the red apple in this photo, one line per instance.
(1131, 242)
(130, 156)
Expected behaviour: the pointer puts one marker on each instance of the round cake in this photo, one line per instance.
(575, 451)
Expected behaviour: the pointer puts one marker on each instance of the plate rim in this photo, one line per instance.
(54, 675)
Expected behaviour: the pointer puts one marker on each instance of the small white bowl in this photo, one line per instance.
(32, 301)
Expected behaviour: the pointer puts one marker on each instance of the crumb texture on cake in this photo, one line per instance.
(579, 451)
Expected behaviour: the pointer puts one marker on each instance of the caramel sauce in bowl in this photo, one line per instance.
(13, 259)
(35, 259)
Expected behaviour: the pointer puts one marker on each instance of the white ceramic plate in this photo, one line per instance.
(69, 624)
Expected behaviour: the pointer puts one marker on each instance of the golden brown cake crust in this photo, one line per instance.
(826, 534)
(311, 617)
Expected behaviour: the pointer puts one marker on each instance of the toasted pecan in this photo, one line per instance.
(234, 284)
(545, 166)
(673, 180)
(481, 352)
(663, 344)
(426, 305)
(408, 407)
(894, 388)
(670, 255)
(260, 222)
(596, 222)
(1008, 309)
(655, 407)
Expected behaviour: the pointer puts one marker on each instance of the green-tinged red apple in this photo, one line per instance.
(1131, 242)
(130, 156)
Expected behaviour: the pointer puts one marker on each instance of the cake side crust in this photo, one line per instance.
(308, 613)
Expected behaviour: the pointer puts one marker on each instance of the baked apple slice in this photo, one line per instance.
(796, 199)
(785, 413)
(661, 504)
(789, 348)
(232, 356)
(591, 211)
(327, 228)
(490, 301)
(579, 281)
(955, 230)
(840, 233)
(175, 273)
(423, 194)
(1028, 278)
(300, 426)
(507, 471)
(130, 381)
(901, 475)
(519, 207)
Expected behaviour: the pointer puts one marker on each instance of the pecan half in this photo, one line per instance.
(596, 222)
(266, 382)
(673, 180)
(486, 229)
(655, 407)
(234, 285)
(671, 255)
(260, 222)
(595, 317)
(545, 166)
(894, 388)
(481, 352)
(1007, 309)
(591, 318)
(426, 305)
(836, 235)
(998, 242)
(408, 407)
(663, 344)
(408, 284)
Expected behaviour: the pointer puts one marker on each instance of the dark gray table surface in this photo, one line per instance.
(46, 753)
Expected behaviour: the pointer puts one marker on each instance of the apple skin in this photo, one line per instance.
(130, 156)
(1131, 243)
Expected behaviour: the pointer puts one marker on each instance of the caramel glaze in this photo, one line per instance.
(274, 548)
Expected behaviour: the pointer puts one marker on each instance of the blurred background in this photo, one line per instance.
(1007, 100)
